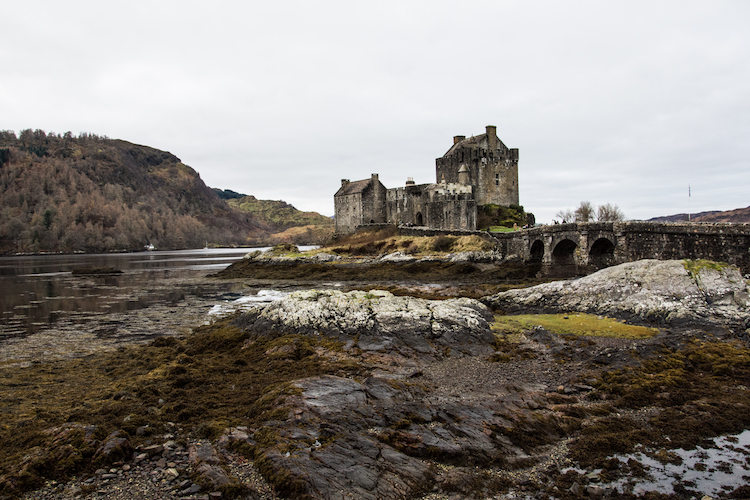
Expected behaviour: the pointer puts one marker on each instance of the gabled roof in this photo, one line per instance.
(474, 140)
(354, 187)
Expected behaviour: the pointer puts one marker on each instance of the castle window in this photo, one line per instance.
(497, 179)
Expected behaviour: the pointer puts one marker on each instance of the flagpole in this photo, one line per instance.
(688, 202)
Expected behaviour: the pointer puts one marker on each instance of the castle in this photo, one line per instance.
(476, 171)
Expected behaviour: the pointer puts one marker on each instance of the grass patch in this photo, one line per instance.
(578, 324)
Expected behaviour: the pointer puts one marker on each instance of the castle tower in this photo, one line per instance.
(492, 167)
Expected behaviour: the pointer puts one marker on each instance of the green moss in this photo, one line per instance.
(571, 324)
(694, 267)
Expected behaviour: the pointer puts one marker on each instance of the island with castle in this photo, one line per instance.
(479, 170)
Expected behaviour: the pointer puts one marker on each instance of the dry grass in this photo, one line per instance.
(384, 241)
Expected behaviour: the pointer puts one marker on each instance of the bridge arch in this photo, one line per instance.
(536, 252)
(602, 253)
(564, 253)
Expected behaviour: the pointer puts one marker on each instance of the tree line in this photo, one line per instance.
(586, 212)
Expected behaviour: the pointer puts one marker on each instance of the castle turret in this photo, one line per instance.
(463, 175)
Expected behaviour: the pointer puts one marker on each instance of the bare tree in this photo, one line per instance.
(585, 212)
(610, 213)
(565, 216)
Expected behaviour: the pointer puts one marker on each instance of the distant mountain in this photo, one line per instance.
(739, 215)
(681, 217)
(91, 193)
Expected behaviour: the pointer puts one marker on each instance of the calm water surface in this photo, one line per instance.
(38, 292)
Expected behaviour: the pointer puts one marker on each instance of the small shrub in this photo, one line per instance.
(442, 243)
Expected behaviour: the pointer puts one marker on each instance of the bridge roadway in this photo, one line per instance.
(601, 244)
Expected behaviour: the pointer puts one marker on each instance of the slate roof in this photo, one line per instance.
(472, 141)
(354, 187)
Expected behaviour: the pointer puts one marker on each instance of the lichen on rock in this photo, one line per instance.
(647, 290)
(379, 321)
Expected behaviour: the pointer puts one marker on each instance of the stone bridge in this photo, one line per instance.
(599, 244)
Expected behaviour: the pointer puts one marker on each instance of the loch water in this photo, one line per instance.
(44, 306)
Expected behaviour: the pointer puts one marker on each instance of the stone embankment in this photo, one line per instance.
(669, 292)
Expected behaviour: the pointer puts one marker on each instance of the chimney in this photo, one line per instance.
(374, 178)
(410, 181)
(458, 138)
(491, 137)
(344, 182)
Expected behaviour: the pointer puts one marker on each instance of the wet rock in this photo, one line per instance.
(594, 491)
(203, 451)
(373, 439)
(475, 256)
(326, 257)
(212, 476)
(115, 447)
(646, 290)
(397, 257)
(575, 489)
(153, 450)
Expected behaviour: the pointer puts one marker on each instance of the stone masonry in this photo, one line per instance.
(476, 171)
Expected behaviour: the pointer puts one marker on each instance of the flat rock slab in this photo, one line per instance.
(378, 321)
(647, 290)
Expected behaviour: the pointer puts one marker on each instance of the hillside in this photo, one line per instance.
(279, 214)
(291, 225)
(739, 215)
(88, 193)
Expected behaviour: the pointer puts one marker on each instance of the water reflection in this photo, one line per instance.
(39, 291)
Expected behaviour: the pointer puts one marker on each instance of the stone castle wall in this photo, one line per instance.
(358, 203)
(476, 171)
(444, 206)
(493, 168)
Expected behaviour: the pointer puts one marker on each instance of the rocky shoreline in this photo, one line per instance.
(371, 395)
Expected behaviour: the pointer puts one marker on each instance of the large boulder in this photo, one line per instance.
(379, 321)
(647, 290)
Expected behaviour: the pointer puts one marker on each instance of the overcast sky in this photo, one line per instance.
(610, 102)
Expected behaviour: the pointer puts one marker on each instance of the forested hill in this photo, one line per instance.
(88, 193)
